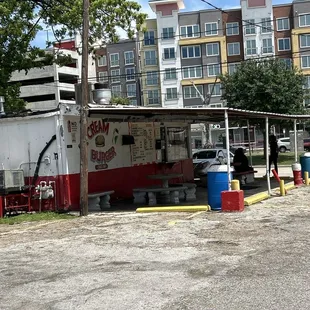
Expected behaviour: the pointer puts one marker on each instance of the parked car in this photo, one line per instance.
(205, 158)
(284, 144)
(307, 144)
(233, 148)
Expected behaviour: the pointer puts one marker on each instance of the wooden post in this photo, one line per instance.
(84, 114)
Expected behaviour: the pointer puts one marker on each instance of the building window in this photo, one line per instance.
(305, 40)
(232, 67)
(168, 33)
(170, 74)
(192, 72)
(114, 60)
(250, 27)
(133, 101)
(304, 20)
(214, 70)
(267, 46)
(305, 61)
(129, 58)
(169, 53)
(130, 74)
(190, 31)
(284, 44)
(307, 82)
(213, 49)
(149, 38)
(283, 24)
(103, 76)
(215, 90)
(115, 74)
(153, 96)
(191, 51)
(150, 58)
(211, 29)
(102, 61)
(251, 47)
(266, 25)
(131, 90)
(216, 105)
(233, 49)
(116, 90)
(287, 62)
(307, 102)
(152, 78)
(190, 91)
(232, 29)
(171, 93)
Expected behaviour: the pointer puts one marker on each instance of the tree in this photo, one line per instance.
(20, 21)
(120, 101)
(268, 86)
(265, 85)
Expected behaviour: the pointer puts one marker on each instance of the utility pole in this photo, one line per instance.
(84, 114)
(206, 101)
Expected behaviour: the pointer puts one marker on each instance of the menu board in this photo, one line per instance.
(143, 151)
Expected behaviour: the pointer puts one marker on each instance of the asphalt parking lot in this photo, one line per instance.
(258, 259)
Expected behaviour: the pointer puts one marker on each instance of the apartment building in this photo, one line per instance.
(118, 64)
(300, 35)
(183, 53)
(44, 88)
(203, 50)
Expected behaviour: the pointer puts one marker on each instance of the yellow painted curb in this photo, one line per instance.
(289, 187)
(174, 209)
(256, 198)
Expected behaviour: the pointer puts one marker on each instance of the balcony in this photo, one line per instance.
(168, 36)
(152, 81)
(251, 51)
(153, 101)
(268, 50)
(171, 97)
(169, 56)
(149, 42)
(150, 62)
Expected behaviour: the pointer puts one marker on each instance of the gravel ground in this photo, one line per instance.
(257, 259)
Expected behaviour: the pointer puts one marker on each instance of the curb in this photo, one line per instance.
(256, 198)
(264, 195)
(279, 166)
(174, 209)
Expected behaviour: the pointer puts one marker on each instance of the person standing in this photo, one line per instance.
(273, 157)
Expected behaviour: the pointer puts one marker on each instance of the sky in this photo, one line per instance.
(190, 5)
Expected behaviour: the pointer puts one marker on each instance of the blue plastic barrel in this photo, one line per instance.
(217, 182)
(305, 163)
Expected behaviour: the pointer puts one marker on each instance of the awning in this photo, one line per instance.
(193, 115)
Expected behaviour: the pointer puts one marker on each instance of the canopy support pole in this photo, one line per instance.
(267, 156)
(295, 141)
(249, 138)
(228, 149)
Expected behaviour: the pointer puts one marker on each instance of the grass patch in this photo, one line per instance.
(35, 217)
(283, 159)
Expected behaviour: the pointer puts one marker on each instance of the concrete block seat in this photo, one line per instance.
(244, 177)
(169, 194)
(100, 200)
(189, 194)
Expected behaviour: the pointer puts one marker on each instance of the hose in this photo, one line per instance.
(36, 173)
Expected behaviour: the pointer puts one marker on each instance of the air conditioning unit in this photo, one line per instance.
(11, 180)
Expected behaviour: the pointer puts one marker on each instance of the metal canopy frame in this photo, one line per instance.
(193, 115)
(197, 115)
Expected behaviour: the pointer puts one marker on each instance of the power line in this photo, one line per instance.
(180, 69)
(200, 32)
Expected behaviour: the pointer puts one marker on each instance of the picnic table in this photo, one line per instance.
(165, 178)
